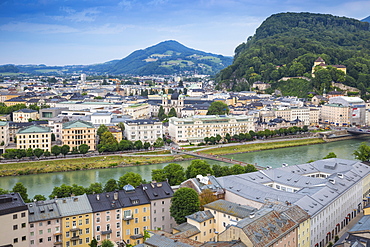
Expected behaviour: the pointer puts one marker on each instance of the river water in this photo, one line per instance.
(44, 183)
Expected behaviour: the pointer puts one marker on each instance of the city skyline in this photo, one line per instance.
(88, 32)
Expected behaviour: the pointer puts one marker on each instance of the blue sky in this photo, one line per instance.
(60, 32)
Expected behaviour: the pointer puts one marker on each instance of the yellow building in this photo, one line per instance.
(34, 136)
(78, 132)
(321, 63)
(77, 223)
(22, 115)
(135, 214)
(14, 101)
(116, 133)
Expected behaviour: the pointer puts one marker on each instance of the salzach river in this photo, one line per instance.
(44, 183)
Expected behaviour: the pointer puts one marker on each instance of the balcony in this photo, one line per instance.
(137, 236)
(106, 232)
(74, 229)
(128, 217)
(58, 242)
(75, 237)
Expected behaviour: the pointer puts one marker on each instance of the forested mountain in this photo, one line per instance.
(367, 19)
(170, 57)
(287, 44)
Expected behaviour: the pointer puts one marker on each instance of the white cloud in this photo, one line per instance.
(126, 4)
(86, 15)
(108, 29)
(36, 28)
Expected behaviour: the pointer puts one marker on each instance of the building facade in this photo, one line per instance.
(34, 136)
(145, 130)
(194, 129)
(79, 132)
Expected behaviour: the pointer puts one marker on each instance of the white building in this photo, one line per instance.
(194, 129)
(145, 130)
(356, 108)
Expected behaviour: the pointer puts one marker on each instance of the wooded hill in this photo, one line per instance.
(287, 44)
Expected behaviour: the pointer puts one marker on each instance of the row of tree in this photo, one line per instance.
(251, 135)
(38, 152)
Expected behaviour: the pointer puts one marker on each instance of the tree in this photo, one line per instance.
(106, 243)
(19, 187)
(52, 137)
(130, 178)
(93, 243)
(39, 198)
(2, 191)
(29, 152)
(109, 142)
(218, 108)
(55, 150)
(83, 148)
(172, 113)
(205, 197)
(138, 145)
(173, 172)
(94, 188)
(38, 152)
(198, 167)
(161, 113)
(185, 201)
(121, 125)
(330, 155)
(46, 153)
(65, 149)
(110, 185)
(363, 152)
(158, 143)
(102, 128)
(146, 145)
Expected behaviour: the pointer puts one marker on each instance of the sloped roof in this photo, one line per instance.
(234, 209)
(34, 129)
(74, 205)
(77, 124)
(43, 210)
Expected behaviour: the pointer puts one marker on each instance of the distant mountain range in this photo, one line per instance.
(166, 58)
(367, 19)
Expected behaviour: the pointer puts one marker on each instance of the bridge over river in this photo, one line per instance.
(214, 157)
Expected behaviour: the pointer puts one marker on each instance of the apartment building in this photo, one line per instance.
(356, 108)
(194, 129)
(107, 216)
(137, 111)
(159, 194)
(76, 221)
(14, 229)
(34, 136)
(4, 133)
(293, 113)
(336, 114)
(79, 132)
(22, 115)
(145, 130)
(135, 214)
(44, 223)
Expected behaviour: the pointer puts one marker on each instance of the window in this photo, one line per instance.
(144, 209)
(118, 234)
(98, 228)
(15, 240)
(162, 202)
(32, 242)
(118, 225)
(49, 222)
(67, 224)
(31, 225)
(87, 230)
(74, 223)
(80, 241)
(162, 218)
(118, 216)
(136, 230)
(98, 220)
(49, 230)
(15, 216)
(49, 239)
(86, 221)
(41, 232)
(144, 218)
(108, 218)
(67, 234)
(136, 220)
(87, 240)
(127, 231)
(15, 227)
(80, 222)
(98, 237)
(67, 244)
(41, 240)
(32, 233)
(23, 215)
(136, 211)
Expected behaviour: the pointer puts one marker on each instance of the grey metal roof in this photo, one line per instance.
(157, 191)
(200, 216)
(163, 241)
(74, 205)
(234, 209)
(11, 203)
(104, 201)
(186, 230)
(43, 210)
(132, 197)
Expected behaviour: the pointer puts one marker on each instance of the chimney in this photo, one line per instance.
(115, 195)
(97, 197)
(251, 215)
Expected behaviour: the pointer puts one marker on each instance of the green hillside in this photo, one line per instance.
(170, 57)
(287, 44)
